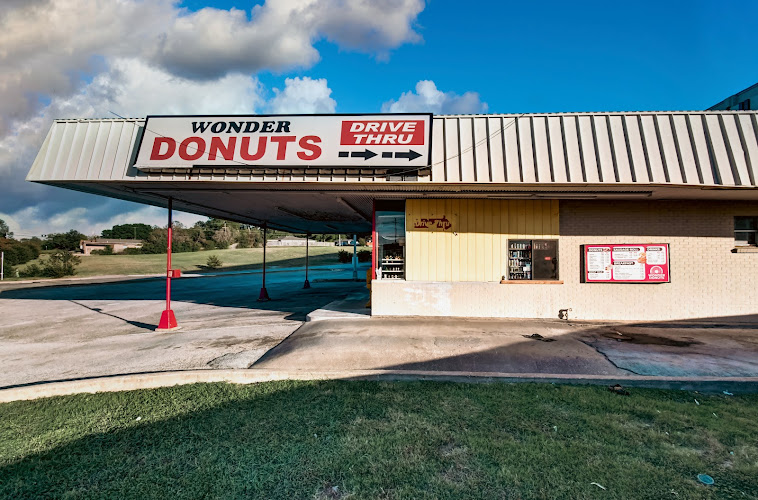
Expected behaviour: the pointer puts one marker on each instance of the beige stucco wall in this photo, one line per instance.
(707, 279)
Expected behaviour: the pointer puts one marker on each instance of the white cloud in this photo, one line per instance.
(132, 88)
(427, 99)
(50, 48)
(280, 34)
(138, 89)
(303, 95)
(85, 58)
(46, 48)
(128, 87)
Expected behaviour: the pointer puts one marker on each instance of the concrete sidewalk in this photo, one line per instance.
(505, 346)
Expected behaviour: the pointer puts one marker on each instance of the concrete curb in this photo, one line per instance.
(351, 307)
(115, 383)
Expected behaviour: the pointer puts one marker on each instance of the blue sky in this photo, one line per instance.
(555, 56)
(85, 58)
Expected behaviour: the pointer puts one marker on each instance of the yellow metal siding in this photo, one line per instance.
(475, 247)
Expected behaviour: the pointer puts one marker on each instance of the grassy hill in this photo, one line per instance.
(233, 259)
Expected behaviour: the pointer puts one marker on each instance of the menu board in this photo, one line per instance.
(648, 263)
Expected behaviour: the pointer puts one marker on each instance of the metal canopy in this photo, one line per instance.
(676, 155)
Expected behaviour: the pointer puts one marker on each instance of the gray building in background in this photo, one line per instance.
(744, 100)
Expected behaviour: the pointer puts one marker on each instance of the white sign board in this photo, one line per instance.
(300, 141)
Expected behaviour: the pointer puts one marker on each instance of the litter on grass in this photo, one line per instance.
(728, 393)
(697, 402)
(599, 486)
(618, 390)
(705, 479)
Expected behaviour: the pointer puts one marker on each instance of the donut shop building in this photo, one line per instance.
(604, 216)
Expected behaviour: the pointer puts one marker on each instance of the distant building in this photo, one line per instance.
(741, 101)
(294, 241)
(101, 243)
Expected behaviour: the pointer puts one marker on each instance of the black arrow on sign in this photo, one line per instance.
(411, 155)
(365, 154)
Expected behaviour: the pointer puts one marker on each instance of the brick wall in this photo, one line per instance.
(707, 279)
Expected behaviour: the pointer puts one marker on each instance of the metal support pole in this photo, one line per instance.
(355, 257)
(2, 266)
(168, 320)
(263, 297)
(307, 283)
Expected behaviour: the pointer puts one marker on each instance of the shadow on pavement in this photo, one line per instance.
(724, 346)
(138, 324)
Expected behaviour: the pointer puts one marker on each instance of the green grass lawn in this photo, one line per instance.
(355, 440)
(234, 259)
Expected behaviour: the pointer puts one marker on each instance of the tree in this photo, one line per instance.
(214, 262)
(19, 252)
(223, 237)
(5, 231)
(183, 240)
(61, 263)
(128, 231)
(212, 225)
(64, 241)
(249, 237)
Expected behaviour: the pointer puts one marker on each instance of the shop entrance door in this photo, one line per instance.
(545, 259)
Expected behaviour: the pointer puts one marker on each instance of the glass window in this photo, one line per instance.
(532, 259)
(745, 229)
(390, 235)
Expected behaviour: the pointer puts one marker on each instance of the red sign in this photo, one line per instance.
(382, 133)
(386, 141)
(647, 263)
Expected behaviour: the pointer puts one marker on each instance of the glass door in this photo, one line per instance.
(390, 235)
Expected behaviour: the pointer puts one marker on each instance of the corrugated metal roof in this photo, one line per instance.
(710, 148)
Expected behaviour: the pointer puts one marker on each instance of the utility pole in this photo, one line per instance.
(2, 266)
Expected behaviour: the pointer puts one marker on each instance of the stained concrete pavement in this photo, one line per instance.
(678, 349)
(52, 333)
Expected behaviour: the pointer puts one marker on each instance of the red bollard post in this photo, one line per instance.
(168, 320)
(263, 297)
